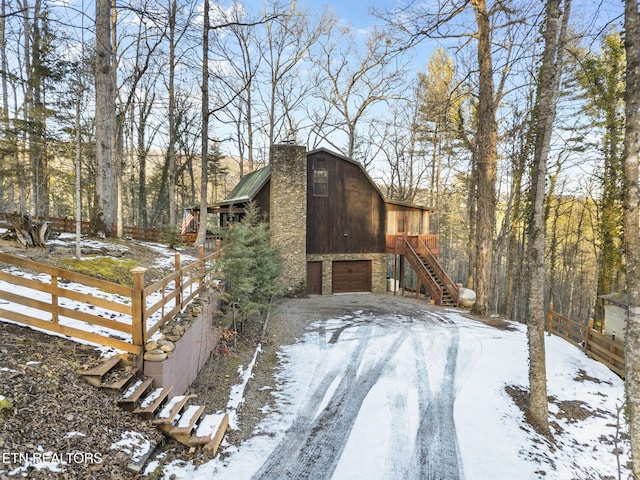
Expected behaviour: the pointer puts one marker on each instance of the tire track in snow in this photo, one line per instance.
(436, 455)
(330, 432)
(396, 465)
(311, 447)
(297, 434)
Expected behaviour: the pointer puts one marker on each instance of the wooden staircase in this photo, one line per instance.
(174, 416)
(437, 283)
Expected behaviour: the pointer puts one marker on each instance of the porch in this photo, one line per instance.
(397, 244)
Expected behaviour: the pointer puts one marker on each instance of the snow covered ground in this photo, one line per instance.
(373, 397)
(362, 396)
(132, 443)
(165, 258)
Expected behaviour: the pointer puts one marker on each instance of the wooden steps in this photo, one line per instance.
(95, 374)
(210, 432)
(134, 393)
(431, 278)
(150, 405)
(186, 423)
(171, 410)
(118, 378)
(174, 416)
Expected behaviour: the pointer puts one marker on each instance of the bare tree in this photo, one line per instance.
(405, 167)
(171, 147)
(486, 159)
(494, 32)
(206, 110)
(34, 106)
(104, 213)
(9, 141)
(351, 83)
(264, 84)
(440, 102)
(548, 91)
(632, 225)
(204, 155)
(240, 50)
(288, 42)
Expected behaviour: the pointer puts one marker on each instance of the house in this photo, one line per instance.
(334, 226)
(616, 313)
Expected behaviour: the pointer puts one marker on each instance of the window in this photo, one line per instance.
(320, 179)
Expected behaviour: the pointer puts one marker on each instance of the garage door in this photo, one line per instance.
(352, 276)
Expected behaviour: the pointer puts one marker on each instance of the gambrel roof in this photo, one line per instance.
(250, 184)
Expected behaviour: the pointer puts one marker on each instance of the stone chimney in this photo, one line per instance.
(288, 210)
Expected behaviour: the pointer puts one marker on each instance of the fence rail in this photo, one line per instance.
(120, 317)
(596, 345)
(150, 234)
(68, 225)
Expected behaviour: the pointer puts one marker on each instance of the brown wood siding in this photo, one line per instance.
(262, 200)
(351, 276)
(314, 278)
(351, 218)
(414, 221)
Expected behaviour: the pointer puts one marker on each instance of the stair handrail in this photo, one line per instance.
(433, 286)
(449, 284)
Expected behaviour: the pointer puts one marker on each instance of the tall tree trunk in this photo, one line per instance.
(171, 148)
(632, 226)
(486, 158)
(37, 137)
(117, 140)
(104, 213)
(548, 88)
(33, 109)
(78, 169)
(514, 250)
(202, 227)
(7, 157)
(472, 202)
(141, 159)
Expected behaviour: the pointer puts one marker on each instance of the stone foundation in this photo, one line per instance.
(378, 269)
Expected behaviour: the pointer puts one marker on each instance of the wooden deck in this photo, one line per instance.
(396, 244)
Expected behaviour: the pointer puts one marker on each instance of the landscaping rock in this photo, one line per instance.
(156, 355)
(166, 345)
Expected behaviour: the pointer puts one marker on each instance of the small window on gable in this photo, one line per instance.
(320, 179)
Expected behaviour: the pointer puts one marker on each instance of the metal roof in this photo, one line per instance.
(621, 299)
(249, 186)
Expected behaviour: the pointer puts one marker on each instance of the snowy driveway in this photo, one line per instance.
(381, 397)
(419, 393)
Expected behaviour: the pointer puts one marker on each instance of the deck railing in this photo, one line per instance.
(395, 243)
